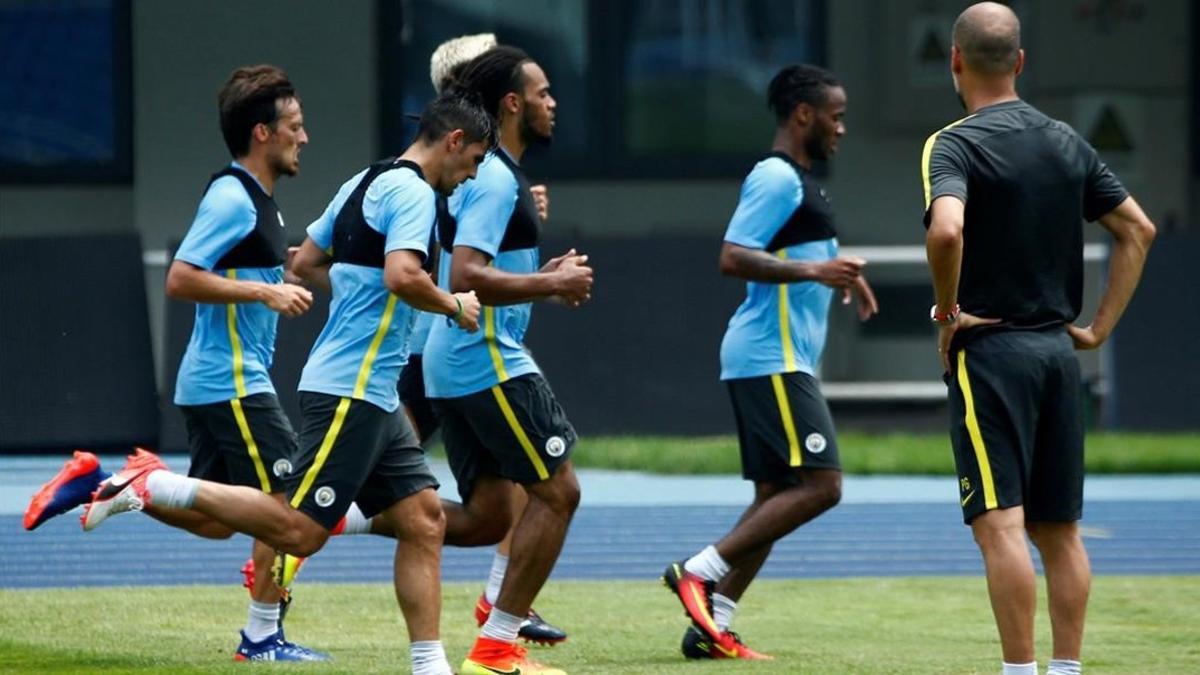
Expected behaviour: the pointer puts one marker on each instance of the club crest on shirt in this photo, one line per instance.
(815, 443)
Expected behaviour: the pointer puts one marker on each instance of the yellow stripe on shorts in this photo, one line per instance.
(522, 437)
(251, 445)
(981, 457)
(335, 427)
(789, 426)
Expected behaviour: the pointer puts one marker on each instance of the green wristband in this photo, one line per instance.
(457, 315)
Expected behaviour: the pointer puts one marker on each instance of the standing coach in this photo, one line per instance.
(1006, 192)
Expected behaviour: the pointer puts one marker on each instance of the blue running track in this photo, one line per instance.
(630, 526)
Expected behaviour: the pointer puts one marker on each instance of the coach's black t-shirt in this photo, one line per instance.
(1028, 183)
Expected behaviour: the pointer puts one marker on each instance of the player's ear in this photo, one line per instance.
(1020, 62)
(261, 132)
(956, 64)
(511, 102)
(803, 114)
(454, 141)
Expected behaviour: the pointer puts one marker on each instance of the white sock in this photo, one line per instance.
(501, 626)
(429, 658)
(1064, 667)
(496, 577)
(707, 564)
(262, 620)
(723, 609)
(172, 490)
(356, 522)
(1020, 668)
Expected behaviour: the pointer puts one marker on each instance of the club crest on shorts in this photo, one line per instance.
(555, 446)
(815, 443)
(325, 496)
(281, 468)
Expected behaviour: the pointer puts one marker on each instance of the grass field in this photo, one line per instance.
(919, 626)
(880, 454)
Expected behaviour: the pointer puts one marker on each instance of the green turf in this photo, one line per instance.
(880, 454)
(917, 626)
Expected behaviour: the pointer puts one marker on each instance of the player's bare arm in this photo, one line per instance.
(943, 249)
(470, 269)
(188, 282)
(1132, 235)
(403, 276)
(310, 264)
(754, 264)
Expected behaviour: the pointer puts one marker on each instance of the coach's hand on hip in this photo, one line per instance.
(1086, 337)
(946, 334)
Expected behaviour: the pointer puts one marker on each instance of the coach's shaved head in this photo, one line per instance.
(989, 36)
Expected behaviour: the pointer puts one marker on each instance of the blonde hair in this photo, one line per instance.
(453, 54)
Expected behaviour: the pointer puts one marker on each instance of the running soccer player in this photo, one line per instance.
(445, 66)
(500, 422)
(231, 265)
(782, 241)
(1006, 192)
(355, 443)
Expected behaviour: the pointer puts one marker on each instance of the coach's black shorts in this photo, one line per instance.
(1016, 424)
(515, 430)
(354, 451)
(245, 441)
(783, 424)
(412, 394)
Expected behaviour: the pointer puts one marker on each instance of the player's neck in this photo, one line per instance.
(260, 168)
(789, 145)
(985, 94)
(426, 158)
(511, 140)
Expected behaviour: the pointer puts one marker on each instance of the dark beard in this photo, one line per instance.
(813, 146)
(531, 137)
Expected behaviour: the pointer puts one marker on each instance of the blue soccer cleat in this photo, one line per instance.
(276, 648)
(72, 486)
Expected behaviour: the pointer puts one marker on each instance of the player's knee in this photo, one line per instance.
(561, 492)
(1053, 535)
(303, 536)
(426, 522)
(827, 488)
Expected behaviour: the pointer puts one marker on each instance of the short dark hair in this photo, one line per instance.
(796, 84)
(988, 47)
(251, 96)
(456, 108)
(493, 74)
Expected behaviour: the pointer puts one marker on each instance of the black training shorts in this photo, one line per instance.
(1016, 424)
(245, 441)
(354, 451)
(515, 430)
(411, 388)
(783, 425)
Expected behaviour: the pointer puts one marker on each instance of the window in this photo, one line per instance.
(651, 88)
(65, 91)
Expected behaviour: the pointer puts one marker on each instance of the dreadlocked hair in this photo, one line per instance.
(494, 74)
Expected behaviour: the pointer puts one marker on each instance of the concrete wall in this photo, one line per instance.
(184, 49)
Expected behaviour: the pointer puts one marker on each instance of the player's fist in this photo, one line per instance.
(289, 300)
(840, 272)
(467, 317)
(541, 199)
(574, 280)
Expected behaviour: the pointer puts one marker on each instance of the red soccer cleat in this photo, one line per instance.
(72, 486)
(493, 657)
(123, 491)
(695, 594)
